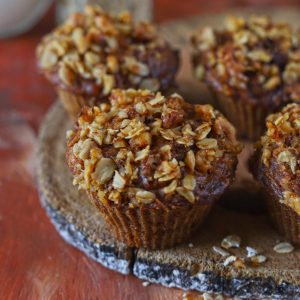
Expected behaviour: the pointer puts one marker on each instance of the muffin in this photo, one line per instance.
(153, 165)
(94, 52)
(275, 165)
(251, 66)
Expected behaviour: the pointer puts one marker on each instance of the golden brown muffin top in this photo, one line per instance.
(279, 152)
(147, 148)
(93, 52)
(255, 55)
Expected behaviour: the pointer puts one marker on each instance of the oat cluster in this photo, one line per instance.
(146, 147)
(95, 52)
(280, 148)
(256, 53)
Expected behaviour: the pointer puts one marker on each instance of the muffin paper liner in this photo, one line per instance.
(153, 228)
(71, 102)
(248, 119)
(285, 219)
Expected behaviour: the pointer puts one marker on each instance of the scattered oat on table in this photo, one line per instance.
(231, 241)
(146, 283)
(284, 247)
(258, 259)
(229, 260)
(251, 251)
(220, 251)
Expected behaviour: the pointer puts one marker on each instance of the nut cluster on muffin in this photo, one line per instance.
(252, 66)
(276, 164)
(154, 154)
(94, 52)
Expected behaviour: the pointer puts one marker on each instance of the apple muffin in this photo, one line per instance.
(94, 52)
(154, 166)
(275, 165)
(252, 66)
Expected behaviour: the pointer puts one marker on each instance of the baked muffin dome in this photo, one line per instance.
(94, 52)
(161, 148)
(156, 157)
(276, 166)
(255, 62)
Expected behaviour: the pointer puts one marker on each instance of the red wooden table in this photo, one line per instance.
(35, 263)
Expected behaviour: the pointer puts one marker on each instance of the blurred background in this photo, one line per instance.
(24, 22)
(21, 15)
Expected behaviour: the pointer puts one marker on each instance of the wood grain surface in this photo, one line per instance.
(35, 263)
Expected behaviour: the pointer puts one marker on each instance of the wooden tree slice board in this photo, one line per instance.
(186, 267)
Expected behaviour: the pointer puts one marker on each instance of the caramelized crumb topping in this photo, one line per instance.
(280, 153)
(149, 147)
(96, 52)
(255, 53)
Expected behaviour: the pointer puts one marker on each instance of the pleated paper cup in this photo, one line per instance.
(153, 228)
(284, 218)
(247, 118)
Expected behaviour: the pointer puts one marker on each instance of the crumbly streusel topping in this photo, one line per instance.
(256, 53)
(281, 146)
(146, 147)
(108, 51)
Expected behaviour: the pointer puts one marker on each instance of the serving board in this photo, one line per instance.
(190, 266)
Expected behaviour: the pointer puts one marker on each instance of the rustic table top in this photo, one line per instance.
(35, 263)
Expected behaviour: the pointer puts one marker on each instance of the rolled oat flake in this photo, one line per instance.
(284, 247)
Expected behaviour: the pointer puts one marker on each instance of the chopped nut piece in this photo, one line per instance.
(104, 170)
(157, 100)
(85, 148)
(168, 170)
(283, 248)
(118, 181)
(140, 108)
(142, 154)
(231, 241)
(91, 58)
(287, 157)
(114, 196)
